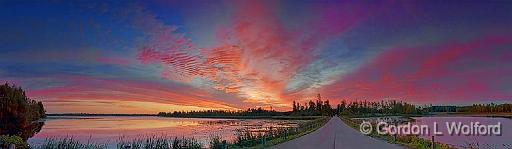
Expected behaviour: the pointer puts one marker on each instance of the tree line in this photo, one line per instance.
(222, 113)
(486, 108)
(391, 107)
(18, 113)
(354, 108)
(312, 108)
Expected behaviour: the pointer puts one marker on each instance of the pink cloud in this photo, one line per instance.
(458, 71)
(256, 54)
(86, 88)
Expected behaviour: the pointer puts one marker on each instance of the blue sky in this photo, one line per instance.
(76, 56)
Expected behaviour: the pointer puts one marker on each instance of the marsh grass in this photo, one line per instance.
(153, 142)
(68, 143)
(158, 142)
(216, 142)
(246, 138)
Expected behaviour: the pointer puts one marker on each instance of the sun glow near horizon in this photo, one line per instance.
(155, 56)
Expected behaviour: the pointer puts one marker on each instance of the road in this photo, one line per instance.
(336, 134)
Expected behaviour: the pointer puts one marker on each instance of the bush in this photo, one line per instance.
(6, 140)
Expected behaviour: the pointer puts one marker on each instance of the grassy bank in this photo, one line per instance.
(273, 136)
(410, 141)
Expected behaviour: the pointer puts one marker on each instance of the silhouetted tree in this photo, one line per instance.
(485, 108)
(18, 113)
(378, 108)
(311, 108)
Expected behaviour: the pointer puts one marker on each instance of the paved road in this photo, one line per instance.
(336, 134)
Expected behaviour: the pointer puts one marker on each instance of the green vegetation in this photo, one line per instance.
(217, 143)
(259, 112)
(161, 143)
(313, 108)
(6, 140)
(272, 136)
(382, 108)
(147, 143)
(487, 108)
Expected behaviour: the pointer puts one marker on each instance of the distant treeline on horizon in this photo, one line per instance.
(475, 108)
(355, 108)
(96, 114)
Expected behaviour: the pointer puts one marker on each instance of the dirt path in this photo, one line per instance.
(336, 134)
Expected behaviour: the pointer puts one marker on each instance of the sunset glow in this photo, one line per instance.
(153, 56)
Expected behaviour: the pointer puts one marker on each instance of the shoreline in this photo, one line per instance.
(255, 117)
(85, 115)
(464, 114)
(445, 114)
(209, 117)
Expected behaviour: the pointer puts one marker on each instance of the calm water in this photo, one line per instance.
(109, 129)
(503, 141)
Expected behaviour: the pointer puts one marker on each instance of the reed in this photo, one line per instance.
(158, 142)
(68, 143)
(246, 138)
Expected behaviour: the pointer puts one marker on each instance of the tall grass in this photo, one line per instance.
(160, 143)
(274, 135)
(216, 142)
(68, 143)
(147, 143)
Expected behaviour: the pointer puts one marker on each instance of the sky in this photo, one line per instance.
(152, 56)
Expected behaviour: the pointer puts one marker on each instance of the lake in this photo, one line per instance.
(493, 141)
(110, 129)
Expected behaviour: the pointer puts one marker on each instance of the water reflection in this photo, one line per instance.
(32, 129)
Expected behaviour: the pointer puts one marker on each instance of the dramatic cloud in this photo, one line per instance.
(450, 72)
(85, 89)
(256, 55)
(190, 55)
